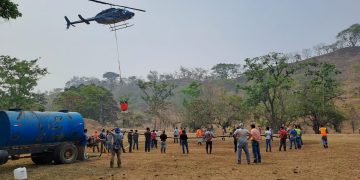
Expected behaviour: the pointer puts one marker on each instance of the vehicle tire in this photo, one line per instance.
(41, 158)
(4, 157)
(65, 153)
(82, 155)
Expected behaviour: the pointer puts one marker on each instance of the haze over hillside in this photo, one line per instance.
(347, 60)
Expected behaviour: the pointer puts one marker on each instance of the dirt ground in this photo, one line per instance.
(340, 161)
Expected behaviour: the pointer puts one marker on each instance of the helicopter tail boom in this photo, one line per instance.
(84, 20)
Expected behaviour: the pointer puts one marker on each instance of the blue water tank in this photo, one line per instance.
(18, 128)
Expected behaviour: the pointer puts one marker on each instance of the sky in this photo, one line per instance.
(170, 34)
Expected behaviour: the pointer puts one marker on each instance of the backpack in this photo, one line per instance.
(102, 136)
(117, 141)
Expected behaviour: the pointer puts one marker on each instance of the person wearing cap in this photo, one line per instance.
(116, 149)
(242, 135)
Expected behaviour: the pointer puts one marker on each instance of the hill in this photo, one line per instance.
(347, 60)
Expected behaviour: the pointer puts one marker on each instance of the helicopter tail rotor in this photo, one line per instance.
(68, 23)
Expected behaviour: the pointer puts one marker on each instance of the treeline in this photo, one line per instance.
(270, 91)
(273, 90)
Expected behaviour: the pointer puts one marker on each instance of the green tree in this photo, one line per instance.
(269, 83)
(318, 95)
(191, 92)
(18, 79)
(91, 101)
(206, 104)
(350, 35)
(156, 93)
(9, 10)
(226, 71)
(197, 111)
(111, 77)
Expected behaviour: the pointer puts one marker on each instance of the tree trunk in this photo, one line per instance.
(316, 126)
(155, 123)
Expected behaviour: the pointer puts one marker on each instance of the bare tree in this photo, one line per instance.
(306, 53)
(354, 119)
(319, 49)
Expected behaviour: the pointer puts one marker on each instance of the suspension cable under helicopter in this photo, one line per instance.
(118, 54)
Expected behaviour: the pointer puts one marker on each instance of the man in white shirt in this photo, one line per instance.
(242, 135)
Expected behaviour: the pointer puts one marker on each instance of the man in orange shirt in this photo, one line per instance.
(323, 131)
(199, 136)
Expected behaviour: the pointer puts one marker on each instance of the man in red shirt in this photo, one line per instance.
(283, 136)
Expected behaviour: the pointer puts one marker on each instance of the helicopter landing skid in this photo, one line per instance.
(121, 26)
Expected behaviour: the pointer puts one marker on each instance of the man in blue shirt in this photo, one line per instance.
(293, 136)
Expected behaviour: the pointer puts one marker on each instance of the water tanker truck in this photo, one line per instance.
(47, 136)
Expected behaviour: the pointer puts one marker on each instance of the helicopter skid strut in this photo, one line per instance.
(121, 26)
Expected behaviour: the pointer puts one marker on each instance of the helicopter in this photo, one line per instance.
(109, 16)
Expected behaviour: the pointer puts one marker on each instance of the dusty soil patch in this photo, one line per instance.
(340, 161)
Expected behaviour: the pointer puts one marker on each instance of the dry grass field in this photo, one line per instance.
(340, 161)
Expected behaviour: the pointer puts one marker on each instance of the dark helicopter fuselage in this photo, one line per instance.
(113, 15)
(109, 16)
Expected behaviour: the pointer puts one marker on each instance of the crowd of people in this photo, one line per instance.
(111, 141)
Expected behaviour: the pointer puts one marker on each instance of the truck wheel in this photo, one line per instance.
(41, 158)
(65, 154)
(82, 156)
(4, 157)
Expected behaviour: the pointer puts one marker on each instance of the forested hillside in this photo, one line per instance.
(220, 96)
(319, 86)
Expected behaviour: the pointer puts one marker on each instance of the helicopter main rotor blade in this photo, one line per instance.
(101, 2)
